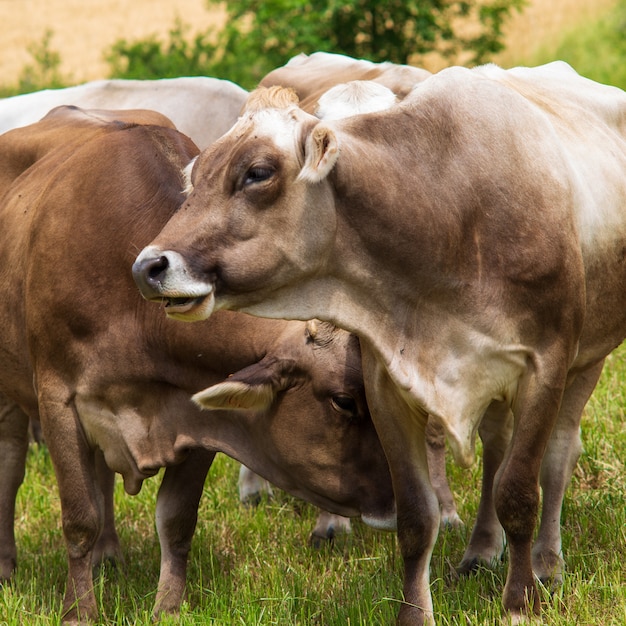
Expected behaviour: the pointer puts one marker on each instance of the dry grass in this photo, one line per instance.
(82, 30)
(543, 22)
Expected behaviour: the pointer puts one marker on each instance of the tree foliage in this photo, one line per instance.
(260, 35)
(150, 58)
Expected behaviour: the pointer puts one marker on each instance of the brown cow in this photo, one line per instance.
(313, 75)
(472, 236)
(110, 374)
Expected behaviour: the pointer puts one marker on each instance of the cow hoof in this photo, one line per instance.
(451, 520)
(473, 564)
(520, 619)
(7, 568)
(469, 566)
(548, 568)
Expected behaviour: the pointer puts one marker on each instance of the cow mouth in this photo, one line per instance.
(181, 305)
(189, 309)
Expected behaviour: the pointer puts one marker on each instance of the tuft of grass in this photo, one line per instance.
(254, 566)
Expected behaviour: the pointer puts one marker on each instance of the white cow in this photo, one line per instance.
(472, 236)
(201, 107)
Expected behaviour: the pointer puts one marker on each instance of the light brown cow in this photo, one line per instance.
(471, 235)
(111, 374)
(313, 75)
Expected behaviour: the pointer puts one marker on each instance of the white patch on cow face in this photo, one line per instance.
(281, 126)
(166, 279)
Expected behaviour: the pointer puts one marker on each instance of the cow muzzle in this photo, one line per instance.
(163, 276)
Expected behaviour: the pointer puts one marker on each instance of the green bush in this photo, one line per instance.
(260, 36)
(44, 73)
(152, 58)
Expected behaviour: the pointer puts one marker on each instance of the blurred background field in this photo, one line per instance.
(583, 32)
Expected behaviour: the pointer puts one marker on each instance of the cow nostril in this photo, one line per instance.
(149, 273)
(155, 268)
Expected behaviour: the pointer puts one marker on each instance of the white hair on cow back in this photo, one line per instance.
(354, 98)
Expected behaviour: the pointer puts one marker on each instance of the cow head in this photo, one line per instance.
(231, 245)
(301, 411)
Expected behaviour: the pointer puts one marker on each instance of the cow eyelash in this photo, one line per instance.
(258, 175)
(345, 404)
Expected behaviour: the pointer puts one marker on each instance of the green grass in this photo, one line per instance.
(255, 567)
(596, 50)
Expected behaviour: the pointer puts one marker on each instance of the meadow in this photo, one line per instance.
(254, 565)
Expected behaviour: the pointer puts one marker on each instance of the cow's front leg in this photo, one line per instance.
(82, 503)
(402, 433)
(13, 448)
(516, 492)
(176, 517)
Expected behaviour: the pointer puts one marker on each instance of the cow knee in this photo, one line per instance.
(517, 506)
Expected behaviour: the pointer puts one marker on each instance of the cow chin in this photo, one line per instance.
(196, 311)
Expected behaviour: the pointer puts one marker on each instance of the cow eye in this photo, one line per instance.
(345, 404)
(258, 175)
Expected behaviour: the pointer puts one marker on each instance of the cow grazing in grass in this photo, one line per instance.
(204, 109)
(472, 236)
(201, 107)
(81, 193)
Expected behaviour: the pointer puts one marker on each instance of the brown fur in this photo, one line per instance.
(472, 237)
(109, 374)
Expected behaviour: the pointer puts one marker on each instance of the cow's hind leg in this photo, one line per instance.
(436, 452)
(487, 541)
(252, 487)
(559, 461)
(107, 548)
(516, 491)
(176, 517)
(327, 527)
(13, 449)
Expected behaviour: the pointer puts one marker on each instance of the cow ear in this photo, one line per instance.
(321, 151)
(236, 395)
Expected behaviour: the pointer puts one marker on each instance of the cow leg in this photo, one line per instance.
(13, 449)
(327, 527)
(176, 517)
(108, 546)
(402, 433)
(252, 487)
(516, 489)
(487, 541)
(559, 461)
(82, 502)
(436, 451)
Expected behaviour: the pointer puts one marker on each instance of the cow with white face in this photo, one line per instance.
(472, 236)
